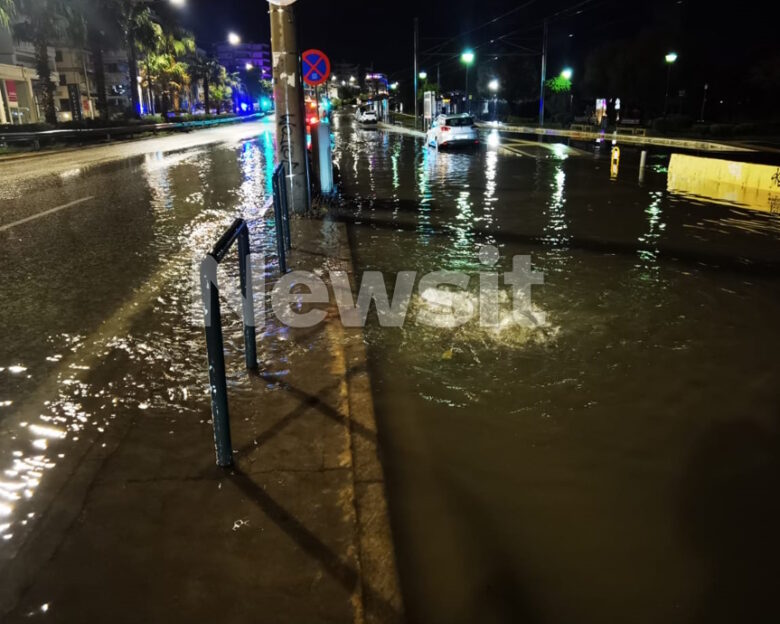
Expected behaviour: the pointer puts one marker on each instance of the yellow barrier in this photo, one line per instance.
(726, 181)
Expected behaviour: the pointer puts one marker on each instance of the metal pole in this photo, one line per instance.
(278, 184)
(247, 297)
(703, 102)
(668, 80)
(642, 162)
(416, 37)
(544, 75)
(288, 96)
(466, 107)
(285, 211)
(216, 357)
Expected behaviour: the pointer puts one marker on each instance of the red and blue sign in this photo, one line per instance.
(315, 67)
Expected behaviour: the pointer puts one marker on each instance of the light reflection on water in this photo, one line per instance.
(143, 357)
(510, 456)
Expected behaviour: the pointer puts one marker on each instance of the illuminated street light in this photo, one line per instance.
(567, 73)
(233, 38)
(493, 85)
(670, 59)
(467, 58)
(178, 3)
(249, 67)
(333, 78)
(422, 75)
(394, 86)
(352, 79)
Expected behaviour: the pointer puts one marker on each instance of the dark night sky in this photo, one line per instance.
(379, 33)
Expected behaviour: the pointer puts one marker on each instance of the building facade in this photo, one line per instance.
(235, 58)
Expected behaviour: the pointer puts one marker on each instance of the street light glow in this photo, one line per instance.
(671, 57)
(249, 67)
(493, 84)
(352, 79)
(178, 3)
(423, 75)
(567, 73)
(233, 38)
(467, 57)
(394, 86)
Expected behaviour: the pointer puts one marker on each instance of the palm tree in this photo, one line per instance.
(7, 11)
(43, 24)
(205, 69)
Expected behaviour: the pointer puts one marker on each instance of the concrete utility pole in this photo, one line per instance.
(288, 100)
(544, 75)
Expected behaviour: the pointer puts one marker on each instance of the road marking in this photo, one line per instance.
(3, 228)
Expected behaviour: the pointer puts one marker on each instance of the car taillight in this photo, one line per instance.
(445, 128)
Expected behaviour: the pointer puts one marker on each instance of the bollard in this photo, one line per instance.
(614, 162)
(642, 161)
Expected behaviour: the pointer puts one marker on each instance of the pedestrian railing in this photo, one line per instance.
(281, 217)
(238, 231)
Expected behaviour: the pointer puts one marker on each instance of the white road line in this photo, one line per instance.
(3, 228)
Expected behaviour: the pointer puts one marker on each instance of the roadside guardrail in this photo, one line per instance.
(36, 139)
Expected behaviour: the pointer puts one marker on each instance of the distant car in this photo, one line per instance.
(366, 115)
(452, 130)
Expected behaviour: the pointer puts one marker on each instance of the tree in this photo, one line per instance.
(45, 21)
(205, 69)
(7, 11)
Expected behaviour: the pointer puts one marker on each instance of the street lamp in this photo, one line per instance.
(249, 67)
(422, 75)
(493, 86)
(233, 38)
(567, 73)
(670, 59)
(467, 58)
(178, 3)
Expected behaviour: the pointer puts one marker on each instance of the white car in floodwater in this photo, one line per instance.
(451, 130)
(366, 115)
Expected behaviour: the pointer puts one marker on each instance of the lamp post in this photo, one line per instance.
(233, 39)
(670, 59)
(422, 75)
(493, 86)
(467, 58)
(566, 74)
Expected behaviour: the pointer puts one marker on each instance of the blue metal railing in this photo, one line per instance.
(238, 231)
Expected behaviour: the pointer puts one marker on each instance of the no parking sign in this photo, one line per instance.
(315, 67)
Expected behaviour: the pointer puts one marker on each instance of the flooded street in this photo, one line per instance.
(618, 460)
(621, 462)
(99, 309)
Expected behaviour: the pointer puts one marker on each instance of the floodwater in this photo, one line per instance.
(100, 319)
(620, 462)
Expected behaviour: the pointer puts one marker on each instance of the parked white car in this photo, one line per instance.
(451, 130)
(366, 115)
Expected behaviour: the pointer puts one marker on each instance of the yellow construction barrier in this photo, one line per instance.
(726, 181)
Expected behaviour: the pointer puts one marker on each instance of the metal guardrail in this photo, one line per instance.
(36, 138)
(238, 231)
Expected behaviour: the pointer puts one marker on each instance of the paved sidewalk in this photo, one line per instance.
(147, 529)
